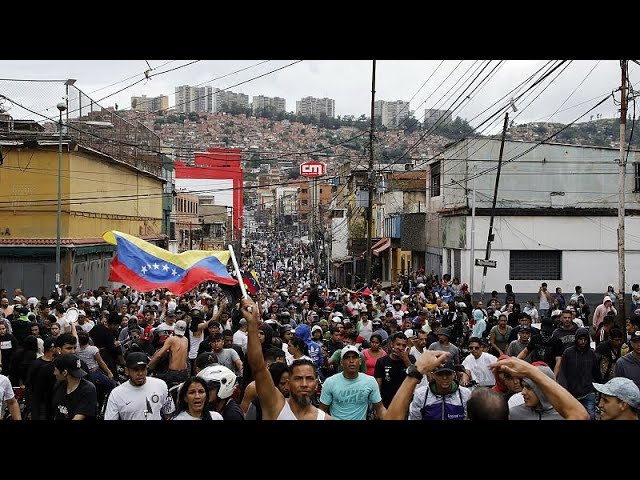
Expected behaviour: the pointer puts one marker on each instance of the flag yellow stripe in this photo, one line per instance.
(183, 260)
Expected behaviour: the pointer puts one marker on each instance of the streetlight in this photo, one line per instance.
(62, 106)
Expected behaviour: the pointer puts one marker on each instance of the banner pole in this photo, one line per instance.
(238, 274)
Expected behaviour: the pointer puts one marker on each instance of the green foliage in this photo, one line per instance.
(455, 130)
(411, 124)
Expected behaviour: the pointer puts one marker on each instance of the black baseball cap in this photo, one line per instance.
(71, 363)
(205, 359)
(136, 360)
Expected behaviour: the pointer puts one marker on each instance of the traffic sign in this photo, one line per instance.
(313, 169)
(485, 263)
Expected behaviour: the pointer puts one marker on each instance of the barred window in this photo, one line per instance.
(435, 179)
(535, 265)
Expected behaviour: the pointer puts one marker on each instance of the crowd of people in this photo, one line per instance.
(297, 348)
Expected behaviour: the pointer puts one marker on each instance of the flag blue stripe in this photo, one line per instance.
(155, 269)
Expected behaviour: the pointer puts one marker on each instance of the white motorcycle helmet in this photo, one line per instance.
(220, 375)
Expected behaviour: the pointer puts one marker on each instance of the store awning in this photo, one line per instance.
(381, 246)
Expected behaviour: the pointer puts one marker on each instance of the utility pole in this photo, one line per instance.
(621, 174)
(314, 223)
(371, 179)
(473, 237)
(493, 206)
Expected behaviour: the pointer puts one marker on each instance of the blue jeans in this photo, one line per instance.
(589, 403)
(103, 384)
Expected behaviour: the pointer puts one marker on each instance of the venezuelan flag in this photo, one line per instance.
(251, 281)
(145, 266)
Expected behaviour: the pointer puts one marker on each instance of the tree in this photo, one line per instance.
(410, 124)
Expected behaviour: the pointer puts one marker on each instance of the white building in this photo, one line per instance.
(392, 114)
(194, 99)
(260, 103)
(555, 218)
(432, 115)
(224, 100)
(315, 107)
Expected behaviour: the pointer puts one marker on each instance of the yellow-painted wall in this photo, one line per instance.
(109, 196)
(396, 262)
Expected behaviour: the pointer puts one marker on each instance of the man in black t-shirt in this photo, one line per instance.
(40, 382)
(544, 347)
(390, 370)
(74, 398)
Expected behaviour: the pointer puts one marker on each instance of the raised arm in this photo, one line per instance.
(271, 399)
(565, 403)
(399, 406)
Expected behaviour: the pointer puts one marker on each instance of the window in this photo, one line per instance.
(435, 179)
(535, 265)
(636, 176)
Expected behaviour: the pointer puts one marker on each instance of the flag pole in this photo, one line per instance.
(238, 274)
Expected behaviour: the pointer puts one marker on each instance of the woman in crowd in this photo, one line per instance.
(373, 353)
(193, 403)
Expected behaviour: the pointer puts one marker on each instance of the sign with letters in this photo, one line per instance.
(485, 263)
(313, 169)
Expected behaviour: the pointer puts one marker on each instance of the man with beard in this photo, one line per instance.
(302, 379)
(142, 397)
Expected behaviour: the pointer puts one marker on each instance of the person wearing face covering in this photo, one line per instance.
(579, 368)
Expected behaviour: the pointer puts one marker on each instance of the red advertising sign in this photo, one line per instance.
(313, 169)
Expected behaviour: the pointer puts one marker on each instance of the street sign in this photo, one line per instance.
(312, 169)
(485, 263)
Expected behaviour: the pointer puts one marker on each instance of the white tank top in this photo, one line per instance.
(287, 414)
(195, 343)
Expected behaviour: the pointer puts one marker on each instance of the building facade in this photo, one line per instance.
(555, 217)
(150, 104)
(99, 193)
(261, 103)
(225, 100)
(431, 116)
(392, 114)
(218, 172)
(315, 107)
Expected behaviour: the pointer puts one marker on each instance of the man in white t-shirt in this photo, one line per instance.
(140, 398)
(240, 337)
(477, 364)
(7, 397)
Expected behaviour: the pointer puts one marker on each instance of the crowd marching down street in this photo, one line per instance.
(296, 348)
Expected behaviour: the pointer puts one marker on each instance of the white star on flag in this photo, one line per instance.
(165, 267)
(148, 266)
(174, 272)
(156, 266)
(144, 269)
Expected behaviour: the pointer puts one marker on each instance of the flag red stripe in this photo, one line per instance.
(196, 275)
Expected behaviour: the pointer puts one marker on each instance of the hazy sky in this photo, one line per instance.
(577, 88)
